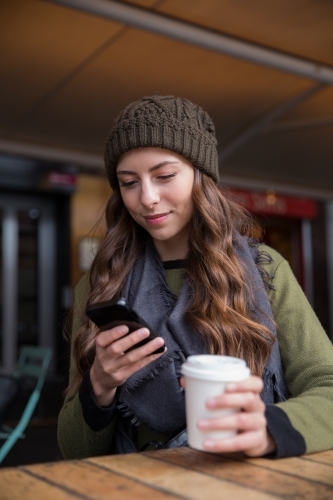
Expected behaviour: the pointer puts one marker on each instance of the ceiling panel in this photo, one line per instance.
(318, 106)
(41, 45)
(301, 27)
(140, 63)
(66, 75)
(299, 158)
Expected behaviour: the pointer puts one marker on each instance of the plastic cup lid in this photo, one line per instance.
(215, 367)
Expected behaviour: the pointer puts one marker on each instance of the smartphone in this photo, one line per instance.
(111, 313)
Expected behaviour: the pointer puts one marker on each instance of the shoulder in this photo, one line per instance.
(81, 293)
(276, 270)
(274, 258)
(83, 286)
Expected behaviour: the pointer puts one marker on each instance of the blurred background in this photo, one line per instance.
(263, 71)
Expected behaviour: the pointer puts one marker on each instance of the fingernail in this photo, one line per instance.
(144, 333)
(158, 342)
(231, 387)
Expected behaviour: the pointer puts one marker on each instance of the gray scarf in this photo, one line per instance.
(153, 395)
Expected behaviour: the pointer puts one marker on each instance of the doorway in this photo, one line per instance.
(28, 274)
(292, 238)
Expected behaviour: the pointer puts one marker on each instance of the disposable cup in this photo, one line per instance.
(206, 376)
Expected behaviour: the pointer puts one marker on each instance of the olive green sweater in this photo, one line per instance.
(302, 424)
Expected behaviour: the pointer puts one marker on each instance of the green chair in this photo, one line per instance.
(33, 363)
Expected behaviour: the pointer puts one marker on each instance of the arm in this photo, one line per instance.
(75, 437)
(303, 423)
(87, 420)
(307, 358)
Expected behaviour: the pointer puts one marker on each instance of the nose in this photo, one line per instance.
(149, 195)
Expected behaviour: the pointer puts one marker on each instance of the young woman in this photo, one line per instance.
(182, 255)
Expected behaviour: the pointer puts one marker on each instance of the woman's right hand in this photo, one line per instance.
(112, 366)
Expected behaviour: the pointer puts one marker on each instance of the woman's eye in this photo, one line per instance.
(127, 184)
(166, 177)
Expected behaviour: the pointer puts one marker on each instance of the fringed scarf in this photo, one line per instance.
(153, 395)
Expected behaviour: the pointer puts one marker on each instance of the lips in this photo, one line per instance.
(156, 218)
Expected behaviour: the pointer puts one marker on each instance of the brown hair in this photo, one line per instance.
(218, 307)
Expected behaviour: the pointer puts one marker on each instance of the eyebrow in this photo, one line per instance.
(152, 169)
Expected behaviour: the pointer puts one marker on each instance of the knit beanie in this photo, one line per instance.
(166, 122)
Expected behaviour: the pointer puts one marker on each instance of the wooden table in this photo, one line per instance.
(179, 473)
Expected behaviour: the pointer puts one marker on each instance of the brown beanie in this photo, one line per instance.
(166, 122)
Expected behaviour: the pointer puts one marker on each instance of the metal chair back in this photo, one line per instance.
(33, 362)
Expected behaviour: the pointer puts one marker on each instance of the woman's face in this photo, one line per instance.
(156, 188)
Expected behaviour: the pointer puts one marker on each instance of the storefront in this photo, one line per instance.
(286, 223)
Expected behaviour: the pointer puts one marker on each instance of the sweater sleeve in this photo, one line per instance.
(305, 419)
(76, 438)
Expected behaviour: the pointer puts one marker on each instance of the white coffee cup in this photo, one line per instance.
(206, 377)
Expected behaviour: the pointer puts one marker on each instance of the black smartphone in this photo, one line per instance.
(111, 313)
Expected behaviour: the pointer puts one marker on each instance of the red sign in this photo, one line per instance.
(61, 179)
(270, 203)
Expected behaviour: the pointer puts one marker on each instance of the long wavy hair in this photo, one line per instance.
(219, 305)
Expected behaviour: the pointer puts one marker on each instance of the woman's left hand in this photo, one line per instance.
(250, 423)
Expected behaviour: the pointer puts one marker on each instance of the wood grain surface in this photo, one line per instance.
(181, 473)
